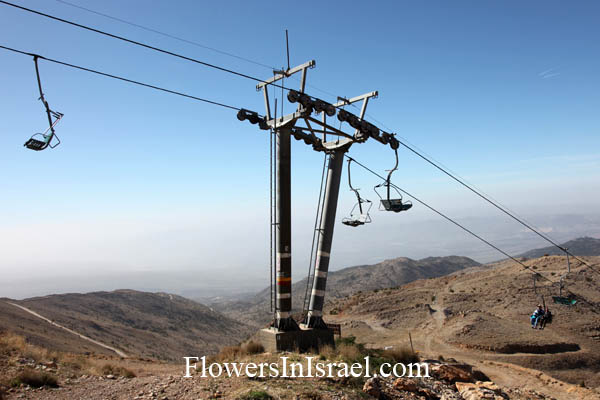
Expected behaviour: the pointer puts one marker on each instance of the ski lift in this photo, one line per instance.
(388, 203)
(40, 141)
(362, 217)
(560, 299)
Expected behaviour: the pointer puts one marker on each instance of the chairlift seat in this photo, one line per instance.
(395, 205)
(352, 222)
(35, 144)
(564, 300)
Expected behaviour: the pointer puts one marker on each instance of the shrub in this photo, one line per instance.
(349, 340)
(402, 355)
(349, 353)
(254, 348)
(35, 379)
(441, 358)
(310, 395)
(228, 353)
(326, 352)
(256, 395)
(109, 369)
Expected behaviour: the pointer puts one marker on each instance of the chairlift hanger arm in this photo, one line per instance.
(42, 98)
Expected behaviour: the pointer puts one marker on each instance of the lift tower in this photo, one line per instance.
(325, 137)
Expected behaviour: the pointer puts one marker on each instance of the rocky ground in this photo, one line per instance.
(448, 381)
(106, 377)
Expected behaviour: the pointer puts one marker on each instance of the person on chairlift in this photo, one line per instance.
(536, 316)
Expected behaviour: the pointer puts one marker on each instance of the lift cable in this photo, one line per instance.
(188, 41)
(135, 42)
(468, 231)
(444, 170)
(487, 198)
(121, 78)
(166, 34)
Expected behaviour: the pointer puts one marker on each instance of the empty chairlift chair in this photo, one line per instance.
(560, 299)
(358, 215)
(388, 203)
(40, 141)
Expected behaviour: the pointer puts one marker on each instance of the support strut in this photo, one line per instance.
(314, 317)
(283, 236)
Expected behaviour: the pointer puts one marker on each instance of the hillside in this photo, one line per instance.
(156, 325)
(584, 246)
(341, 283)
(482, 316)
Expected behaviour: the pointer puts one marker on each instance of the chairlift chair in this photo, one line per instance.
(362, 217)
(40, 141)
(388, 203)
(564, 300)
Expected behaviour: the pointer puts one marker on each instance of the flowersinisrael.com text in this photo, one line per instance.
(311, 368)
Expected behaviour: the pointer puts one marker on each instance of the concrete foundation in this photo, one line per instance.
(302, 340)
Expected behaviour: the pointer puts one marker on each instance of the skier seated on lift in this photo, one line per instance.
(537, 315)
(546, 318)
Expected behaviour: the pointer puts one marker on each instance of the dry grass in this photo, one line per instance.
(256, 395)
(327, 352)
(115, 370)
(71, 365)
(349, 352)
(310, 395)
(35, 379)
(231, 353)
(10, 343)
(401, 355)
(228, 353)
(253, 348)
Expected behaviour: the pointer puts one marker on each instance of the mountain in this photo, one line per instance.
(481, 315)
(139, 324)
(584, 246)
(341, 283)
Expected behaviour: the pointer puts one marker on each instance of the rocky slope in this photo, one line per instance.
(347, 281)
(483, 314)
(584, 246)
(157, 325)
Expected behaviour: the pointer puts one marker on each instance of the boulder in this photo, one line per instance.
(372, 387)
(479, 391)
(407, 385)
(452, 373)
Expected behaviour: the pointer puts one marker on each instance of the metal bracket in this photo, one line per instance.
(278, 75)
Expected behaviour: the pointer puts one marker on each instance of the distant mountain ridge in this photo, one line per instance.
(583, 246)
(157, 325)
(347, 281)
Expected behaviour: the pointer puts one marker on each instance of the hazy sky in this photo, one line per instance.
(506, 94)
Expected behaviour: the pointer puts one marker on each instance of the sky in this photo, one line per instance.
(159, 192)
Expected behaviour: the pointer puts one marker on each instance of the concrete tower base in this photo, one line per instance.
(302, 340)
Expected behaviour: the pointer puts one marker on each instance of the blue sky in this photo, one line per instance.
(504, 93)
